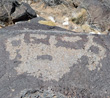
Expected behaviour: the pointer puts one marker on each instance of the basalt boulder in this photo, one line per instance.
(37, 61)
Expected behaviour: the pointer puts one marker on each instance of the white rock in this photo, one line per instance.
(92, 32)
(51, 18)
(66, 19)
(95, 33)
(75, 27)
(98, 33)
(38, 15)
(66, 23)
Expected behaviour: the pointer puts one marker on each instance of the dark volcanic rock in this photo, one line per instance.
(50, 63)
(23, 12)
(5, 10)
(13, 11)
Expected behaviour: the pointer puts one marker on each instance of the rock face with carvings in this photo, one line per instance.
(45, 62)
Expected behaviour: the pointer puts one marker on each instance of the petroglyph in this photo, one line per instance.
(71, 39)
(51, 62)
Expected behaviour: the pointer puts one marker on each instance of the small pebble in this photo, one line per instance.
(38, 15)
(51, 18)
(66, 19)
(75, 27)
(98, 33)
(66, 23)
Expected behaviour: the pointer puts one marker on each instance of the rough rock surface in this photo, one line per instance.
(44, 62)
(13, 11)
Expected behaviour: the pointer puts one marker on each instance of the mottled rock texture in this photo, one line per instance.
(40, 61)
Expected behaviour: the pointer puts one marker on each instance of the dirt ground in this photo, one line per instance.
(66, 15)
(62, 16)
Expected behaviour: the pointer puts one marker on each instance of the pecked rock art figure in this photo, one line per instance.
(53, 63)
(52, 56)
